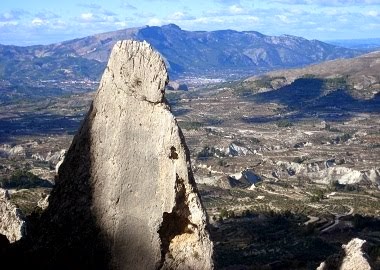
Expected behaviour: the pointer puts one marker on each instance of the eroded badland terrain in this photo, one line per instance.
(287, 165)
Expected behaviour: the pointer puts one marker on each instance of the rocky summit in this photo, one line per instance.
(125, 197)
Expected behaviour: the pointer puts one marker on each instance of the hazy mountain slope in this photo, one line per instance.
(361, 75)
(332, 91)
(369, 44)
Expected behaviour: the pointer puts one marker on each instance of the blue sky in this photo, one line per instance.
(29, 22)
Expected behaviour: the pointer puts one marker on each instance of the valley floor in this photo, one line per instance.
(283, 190)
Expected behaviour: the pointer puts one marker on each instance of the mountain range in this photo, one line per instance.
(368, 44)
(216, 53)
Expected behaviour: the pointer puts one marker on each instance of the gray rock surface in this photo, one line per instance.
(7, 151)
(237, 150)
(326, 172)
(173, 85)
(353, 258)
(125, 197)
(12, 224)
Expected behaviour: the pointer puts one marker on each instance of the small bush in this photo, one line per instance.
(21, 179)
(190, 125)
(246, 213)
(345, 137)
(318, 195)
(222, 163)
(264, 82)
(331, 129)
(298, 160)
(255, 141)
(207, 152)
(309, 76)
(223, 213)
(284, 123)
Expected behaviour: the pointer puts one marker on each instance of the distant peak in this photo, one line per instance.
(172, 26)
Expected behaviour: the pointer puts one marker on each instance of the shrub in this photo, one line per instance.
(345, 137)
(222, 163)
(284, 123)
(223, 213)
(309, 76)
(231, 214)
(318, 195)
(335, 83)
(190, 125)
(255, 141)
(23, 179)
(207, 152)
(264, 82)
(298, 160)
(332, 129)
(246, 213)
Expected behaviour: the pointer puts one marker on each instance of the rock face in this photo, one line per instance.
(11, 223)
(355, 258)
(7, 151)
(177, 86)
(352, 258)
(326, 172)
(125, 197)
(237, 150)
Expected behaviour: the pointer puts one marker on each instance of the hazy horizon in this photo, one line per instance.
(37, 22)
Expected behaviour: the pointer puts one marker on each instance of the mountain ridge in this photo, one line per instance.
(222, 53)
(360, 74)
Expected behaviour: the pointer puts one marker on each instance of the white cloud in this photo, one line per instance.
(144, 15)
(59, 24)
(39, 22)
(102, 17)
(121, 24)
(154, 21)
(9, 23)
(179, 15)
(372, 13)
(128, 6)
(87, 16)
(233, 10)
(207, 20)
(283, 18)
(7, 16)
(12, 15)
(326, 29)
(91, 6)
(253, 19)
(228, 2)
(328, 2)
(236, 10)
(47, 15)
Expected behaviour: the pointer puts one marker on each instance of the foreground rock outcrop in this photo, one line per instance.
(352, 258)
(12, 224)
(125, 197)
